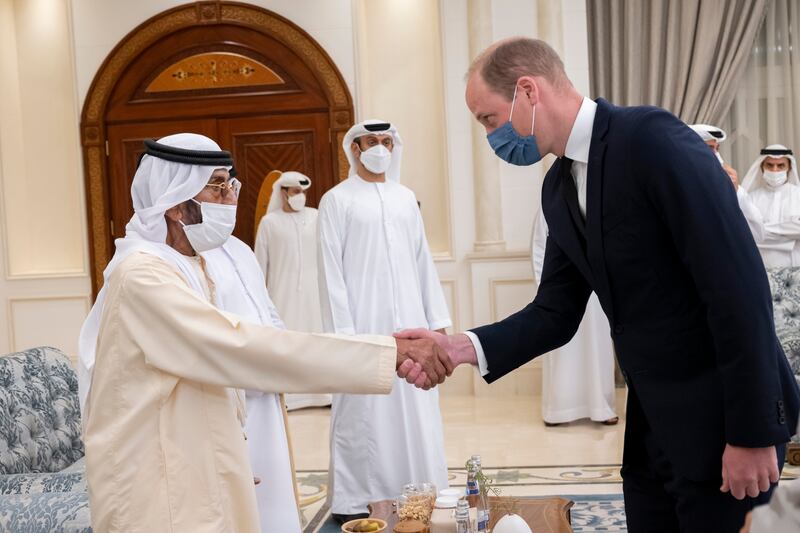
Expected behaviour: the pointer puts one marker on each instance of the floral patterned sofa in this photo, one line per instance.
(42, 486)
(785, 286)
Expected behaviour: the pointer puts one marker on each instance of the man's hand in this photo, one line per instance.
(748, 471)
(732, 174)
(422, 362)
(459, 347)
(453, 351)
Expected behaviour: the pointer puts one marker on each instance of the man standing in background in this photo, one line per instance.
(377, 276)
(286, 249)
(770, 200)
(578, 378)
(713, 137)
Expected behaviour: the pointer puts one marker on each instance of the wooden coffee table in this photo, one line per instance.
(544, 515)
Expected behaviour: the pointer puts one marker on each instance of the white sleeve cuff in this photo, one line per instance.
(440, 324)
(483, 365)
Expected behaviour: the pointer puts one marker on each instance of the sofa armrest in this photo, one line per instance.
(63, 482)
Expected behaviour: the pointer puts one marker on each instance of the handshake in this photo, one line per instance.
(426, 358)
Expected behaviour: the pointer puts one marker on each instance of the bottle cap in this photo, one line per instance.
(445, 502)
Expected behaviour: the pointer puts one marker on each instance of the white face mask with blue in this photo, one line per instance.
(512, 147)
(215, 229)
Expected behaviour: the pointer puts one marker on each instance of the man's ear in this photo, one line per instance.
(355, 148)
(528, 88)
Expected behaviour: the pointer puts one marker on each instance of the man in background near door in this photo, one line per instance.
(713, 137)
(377, 276)
(286, 249)
(578, 378)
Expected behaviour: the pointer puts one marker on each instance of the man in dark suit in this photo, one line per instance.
(641, 213)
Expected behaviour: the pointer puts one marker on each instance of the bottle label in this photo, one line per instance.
(472, 488)
(483, 521)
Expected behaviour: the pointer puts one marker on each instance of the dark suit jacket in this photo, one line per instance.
(670, 256)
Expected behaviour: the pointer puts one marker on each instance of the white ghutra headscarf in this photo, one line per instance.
(287, 179)
(754, 179)
(375, 127)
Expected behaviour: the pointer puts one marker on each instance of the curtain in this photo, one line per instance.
(686, 56)
(766, 107)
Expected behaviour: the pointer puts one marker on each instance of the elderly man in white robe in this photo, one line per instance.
(770, 200)
(713, 137)
(162, 348)
(286, 249)
(578, 378)
(377, 276)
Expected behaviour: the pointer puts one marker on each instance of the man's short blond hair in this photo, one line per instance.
(503, 63)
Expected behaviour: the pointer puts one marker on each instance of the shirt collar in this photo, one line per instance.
(580, 138)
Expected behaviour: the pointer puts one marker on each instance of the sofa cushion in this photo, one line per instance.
(40, 425)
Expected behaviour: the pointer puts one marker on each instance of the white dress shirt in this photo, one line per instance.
(577, 149)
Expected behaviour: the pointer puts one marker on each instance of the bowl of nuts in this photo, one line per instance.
(364, 525)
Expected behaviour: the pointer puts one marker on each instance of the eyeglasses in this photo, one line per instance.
(221, 189)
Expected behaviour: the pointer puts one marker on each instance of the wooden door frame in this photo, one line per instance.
(93, 127)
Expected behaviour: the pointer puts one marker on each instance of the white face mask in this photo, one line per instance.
(719, 158)
(377, 159)
(775, 179)
(298, 201)
(216, 227)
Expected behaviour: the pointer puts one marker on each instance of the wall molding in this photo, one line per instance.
(454, 312)
(494, 284)
(494, 257)
(12, 341)
(48, 274)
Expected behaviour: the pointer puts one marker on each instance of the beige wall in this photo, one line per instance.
(399, 79)
(44, 287)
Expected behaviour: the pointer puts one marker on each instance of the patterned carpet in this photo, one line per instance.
(593, 512)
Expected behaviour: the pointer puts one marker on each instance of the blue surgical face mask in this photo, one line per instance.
(512, 147)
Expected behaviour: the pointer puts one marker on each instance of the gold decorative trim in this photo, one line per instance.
(213, 70)
(343, 165)
(297, 40)
(98, 222)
